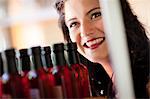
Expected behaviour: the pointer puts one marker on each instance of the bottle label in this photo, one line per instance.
(57, 92)
(34, 94)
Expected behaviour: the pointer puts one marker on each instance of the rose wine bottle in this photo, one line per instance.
(1, 73)
(13, 86)
(44, 80)
(81, 71)
(4, 87)
(48, 59)
(62, 73)
(25, 69)
(50, 77)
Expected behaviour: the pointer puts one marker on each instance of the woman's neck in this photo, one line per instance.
(107, 66)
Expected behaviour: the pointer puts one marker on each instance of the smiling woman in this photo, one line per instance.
(81, 22)
(85, 26)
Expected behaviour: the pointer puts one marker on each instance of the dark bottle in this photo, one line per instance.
(42, 81)
(48, 59)
(14, 86)
(81, 71)
(5, 87)
(49, 67)
(1, 73)
(62, 73)
(25, 69)
(25, 61)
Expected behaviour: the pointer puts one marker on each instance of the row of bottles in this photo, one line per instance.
(57, 79)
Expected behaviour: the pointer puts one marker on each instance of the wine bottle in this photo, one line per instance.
(44, 80)
(1, 73)
(13, 86)
(62, 73)
(48, 59)
(49, 67)
(25, 69)
(81, 71)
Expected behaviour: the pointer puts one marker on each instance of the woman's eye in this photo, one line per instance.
(73, 24)
(95, 15)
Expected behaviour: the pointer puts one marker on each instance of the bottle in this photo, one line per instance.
(25, 69)
(81, 71)
(5, 78)
(25, 61)
(49, 66)
(48, 59)
(14, 87)
(36, 85)
(1, 73)
(62, 73)
(43, 79)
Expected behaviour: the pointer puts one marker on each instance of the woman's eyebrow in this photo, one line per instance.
(86, 13)
(92, 10)
(71, 19)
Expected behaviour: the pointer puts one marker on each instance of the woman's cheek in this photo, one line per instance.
(72, 37)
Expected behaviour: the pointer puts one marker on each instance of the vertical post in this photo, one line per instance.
(115, 34)
(5, 38)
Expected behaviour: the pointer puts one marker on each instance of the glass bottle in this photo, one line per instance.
(81, 71)
(43, 79)
(49, 66)
(14, 85)
(48, 59)
(62, 73)
(1, 73)
(25, 69)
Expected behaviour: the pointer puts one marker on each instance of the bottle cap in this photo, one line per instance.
(47, 49)
(36, 50)
(58, 55)
(10, 52)
(25, 59)
(11, 60)
(58, 47)
(71, 46)
(23, 52)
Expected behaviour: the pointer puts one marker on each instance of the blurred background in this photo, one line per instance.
(27, 23)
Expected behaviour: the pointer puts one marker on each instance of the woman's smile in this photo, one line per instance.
(94, 43)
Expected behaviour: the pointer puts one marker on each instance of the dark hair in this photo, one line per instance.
(59, 5)
(138, 42)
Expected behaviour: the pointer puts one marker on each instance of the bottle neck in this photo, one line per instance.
(11, 63)
(73, 57)
(25, 62)
(37, 61)
(59, 59)
(1, 66)
(48, 60)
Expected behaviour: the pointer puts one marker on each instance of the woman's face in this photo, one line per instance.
(84, 20)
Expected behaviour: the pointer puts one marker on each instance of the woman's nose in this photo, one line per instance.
(86, 28)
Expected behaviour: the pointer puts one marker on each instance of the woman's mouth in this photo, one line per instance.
(94, 43)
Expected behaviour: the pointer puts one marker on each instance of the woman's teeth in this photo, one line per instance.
(94, 42)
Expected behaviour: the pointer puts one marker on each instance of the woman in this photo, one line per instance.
(81, 22)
